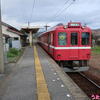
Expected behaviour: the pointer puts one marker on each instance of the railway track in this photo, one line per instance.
(87, 85)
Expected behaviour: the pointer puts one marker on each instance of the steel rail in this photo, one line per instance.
(90, 80)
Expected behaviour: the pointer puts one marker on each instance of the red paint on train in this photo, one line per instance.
(70, 42)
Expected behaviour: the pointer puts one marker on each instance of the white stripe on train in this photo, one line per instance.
(51, 46)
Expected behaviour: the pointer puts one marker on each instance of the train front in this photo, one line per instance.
(73, 46)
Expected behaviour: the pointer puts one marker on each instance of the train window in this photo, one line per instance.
(62, 38)
(85, 38)
(49, 38)
(74, 38)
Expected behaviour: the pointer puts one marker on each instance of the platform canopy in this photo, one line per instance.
(32, 29)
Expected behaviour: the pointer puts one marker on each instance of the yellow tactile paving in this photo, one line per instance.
(43, 96)
(42, 90)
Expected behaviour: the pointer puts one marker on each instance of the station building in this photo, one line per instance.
(11, 37)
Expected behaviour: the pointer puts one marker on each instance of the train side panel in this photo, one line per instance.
(47, 42)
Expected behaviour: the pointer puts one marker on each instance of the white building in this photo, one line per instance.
(11, 37)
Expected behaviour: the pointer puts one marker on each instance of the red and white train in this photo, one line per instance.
(69, 45)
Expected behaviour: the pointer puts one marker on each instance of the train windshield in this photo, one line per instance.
(74, 38)
(62, 38)
(85, 38)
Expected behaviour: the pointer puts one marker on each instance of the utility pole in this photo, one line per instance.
(1, 46)
(28, 24)
(46, 27)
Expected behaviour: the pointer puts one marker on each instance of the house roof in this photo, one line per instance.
(96, 32)
(12, 29)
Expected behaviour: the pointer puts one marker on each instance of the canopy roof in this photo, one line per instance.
(33, 30)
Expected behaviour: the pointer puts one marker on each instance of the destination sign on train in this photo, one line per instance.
(74, 24)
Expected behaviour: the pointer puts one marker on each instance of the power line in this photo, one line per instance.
(31, 15)
(61, 7)
(69, 13)
(61, 12)
(65, 7)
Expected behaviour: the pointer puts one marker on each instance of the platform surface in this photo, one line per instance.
(38, 77)
(21, 85)
(59, 83)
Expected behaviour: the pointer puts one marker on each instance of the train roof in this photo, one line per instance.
(70, 25)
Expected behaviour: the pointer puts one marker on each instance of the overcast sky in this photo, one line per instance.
(19, 12)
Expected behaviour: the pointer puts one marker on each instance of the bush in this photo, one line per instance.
(96, 49)
(13, 52)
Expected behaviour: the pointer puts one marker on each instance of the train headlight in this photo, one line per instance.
(65, 26)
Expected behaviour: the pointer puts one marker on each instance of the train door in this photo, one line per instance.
(74, 45)
(50, 43)
(49, 39)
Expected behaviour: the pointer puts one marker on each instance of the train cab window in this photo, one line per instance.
(85, 38)
(74, 38)
(62, 38)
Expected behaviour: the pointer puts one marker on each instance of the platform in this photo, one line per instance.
(38, 77)
(60, 86)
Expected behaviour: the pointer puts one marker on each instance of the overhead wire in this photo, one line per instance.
(57, 14)
(61, 7)
(65, 7)
(59, 10)
(31, 15)
(23, 14)
(68, 7)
